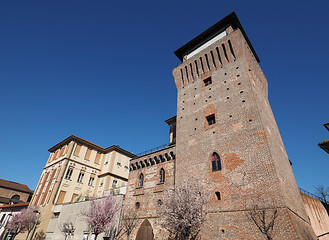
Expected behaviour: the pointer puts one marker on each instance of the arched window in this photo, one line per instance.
(162, 175)
(15, 198)
(215, 162)
(141, 179)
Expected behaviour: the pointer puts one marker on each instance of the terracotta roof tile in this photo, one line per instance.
(23, 204)
(15, 186)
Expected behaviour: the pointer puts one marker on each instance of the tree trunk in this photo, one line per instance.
(27, 236)
(96, 235)
(15, 234)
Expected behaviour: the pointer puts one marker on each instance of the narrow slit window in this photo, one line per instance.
(162, 175)
(141, 180)
(201, 64)
(218, 54)
(196, 66)
(231, 48)
(212, 57)
(211, 119)
(207, 61)
(181, 72)
(186, 73)
(215, 162)
(207, 81)
(217, 195)
(225, 53)
(191, 70)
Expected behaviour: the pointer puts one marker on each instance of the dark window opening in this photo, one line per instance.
(191, 70)
(138, 205)
(196, 66)
(213, 59)
(215, 162)
(141, 180)
(160, 202)
(231, 48)
(162, 175)
(69, 173)
(211, 119)
(220, 60)
(217, 195)
(207, 61)
(207, 81)
(201, 64)
(186, 73)
(224, 49)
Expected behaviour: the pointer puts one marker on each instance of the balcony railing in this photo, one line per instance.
(308, 193)
(154, 149)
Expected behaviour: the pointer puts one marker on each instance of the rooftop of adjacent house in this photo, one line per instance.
(210, 33)
(91, 145)
(15, 186)
(324, 145)
(17, 205)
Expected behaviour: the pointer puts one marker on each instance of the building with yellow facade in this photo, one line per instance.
(77, 168)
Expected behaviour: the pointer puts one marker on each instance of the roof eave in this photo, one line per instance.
(230, 19)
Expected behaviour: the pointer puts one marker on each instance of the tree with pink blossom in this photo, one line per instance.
(24, 221)
(102, 214)
(184, 210)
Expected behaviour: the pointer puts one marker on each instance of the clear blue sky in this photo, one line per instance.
(102, 70)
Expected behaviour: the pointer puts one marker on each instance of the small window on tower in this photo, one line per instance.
(207, 81)
(211, 119)
(217, 195)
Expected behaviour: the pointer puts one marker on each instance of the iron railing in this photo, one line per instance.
(308, 193)
(153, 149)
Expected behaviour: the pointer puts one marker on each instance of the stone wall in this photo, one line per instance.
(317, 214)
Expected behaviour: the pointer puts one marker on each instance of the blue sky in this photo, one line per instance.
(102, 70)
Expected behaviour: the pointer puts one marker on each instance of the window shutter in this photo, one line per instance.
(88, 154)
(77, 150)
(61, 197)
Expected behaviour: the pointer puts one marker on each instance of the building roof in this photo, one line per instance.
(324, 145)
(326, 125)
(229, 20)
(91, 145)
(15, 186)
(17, 205)
(4, 200)
(171, 120)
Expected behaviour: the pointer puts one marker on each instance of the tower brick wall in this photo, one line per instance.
(254, 162)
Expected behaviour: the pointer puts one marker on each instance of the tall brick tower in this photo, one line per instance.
(227, 136)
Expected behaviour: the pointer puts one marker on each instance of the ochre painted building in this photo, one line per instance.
(77, 168)
(227, 137)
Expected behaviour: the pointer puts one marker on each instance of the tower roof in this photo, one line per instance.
(229, 20)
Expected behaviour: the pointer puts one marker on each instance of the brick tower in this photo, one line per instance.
(227, 136)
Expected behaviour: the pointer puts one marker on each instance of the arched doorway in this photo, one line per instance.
(145, 231)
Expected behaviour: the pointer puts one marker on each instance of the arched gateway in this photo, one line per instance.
(145, 231)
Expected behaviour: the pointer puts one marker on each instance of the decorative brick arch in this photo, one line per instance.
(145, 231)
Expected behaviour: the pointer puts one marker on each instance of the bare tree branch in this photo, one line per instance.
(67, 228)
(322, 193)
(264, 219)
